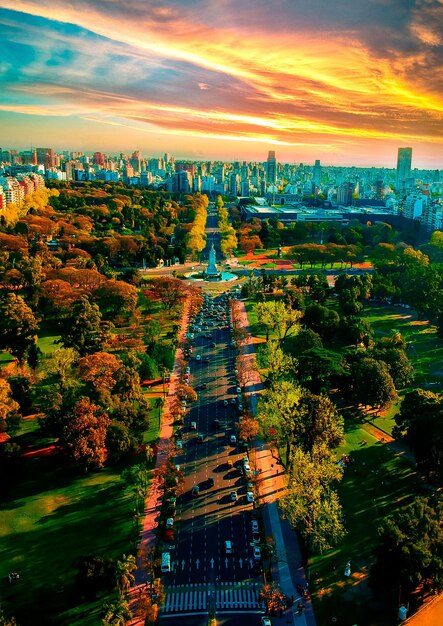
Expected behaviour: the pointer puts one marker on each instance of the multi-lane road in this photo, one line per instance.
(208, 573)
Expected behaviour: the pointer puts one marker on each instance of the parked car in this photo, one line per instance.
(233, 496)
(211, 481)
(250, 496)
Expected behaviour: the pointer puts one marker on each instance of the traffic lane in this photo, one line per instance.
(196, 619)
(239, 619)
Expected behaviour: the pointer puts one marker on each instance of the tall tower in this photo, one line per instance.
(317, 173)
(271, 168)
(404, 160)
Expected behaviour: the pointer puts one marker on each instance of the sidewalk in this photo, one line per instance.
(154, 499)
(287, 571)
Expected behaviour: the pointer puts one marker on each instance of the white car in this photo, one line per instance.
(179, 444)
(169, 523)
(265, 621)
(233, 439)
(238, 390)
(225, 402)
(250, 497)
(233, 496)
(233, 400)
(197, 357)
(257, 553)
(254, 524)
(240, 407)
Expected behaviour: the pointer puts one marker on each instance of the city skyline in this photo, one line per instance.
(225, 81)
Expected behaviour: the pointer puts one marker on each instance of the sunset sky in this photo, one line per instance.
(347, 82)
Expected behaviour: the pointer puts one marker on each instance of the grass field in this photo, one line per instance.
(373, 486)
(49, 518)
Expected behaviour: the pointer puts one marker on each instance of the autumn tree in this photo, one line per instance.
(84, 434)
(116, 297)
(248, 428)
(18, 326)
(9, 408)
(311, 503)
(99, 371)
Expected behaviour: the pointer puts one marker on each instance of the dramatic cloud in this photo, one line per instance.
(350, 79)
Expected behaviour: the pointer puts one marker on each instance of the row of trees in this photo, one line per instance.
(228, 241)
(195, 239)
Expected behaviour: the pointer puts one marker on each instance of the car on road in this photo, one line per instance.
(169, 535)
(213, 344)
(250, 496)
(169, 523)
(233, 400)
(188, 369)
(256, 538)
(179, 444)
(233, 439)
(233, 496)
(211, 481)
(193, 426)
(198, 357)
(254, 525)
(238, 389)
(216, 423)
(228, 547)
(195, 491)
(200, 438)
(225, 402)
(257, 553)
(265, 621)
(240, 407)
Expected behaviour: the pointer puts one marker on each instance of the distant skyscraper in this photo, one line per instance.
(404, 160)
(317, 173)
(271, 168)
(344, 194)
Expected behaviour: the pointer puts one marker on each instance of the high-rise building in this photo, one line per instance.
(271, 168)
(317, 173)
(344, 194)
(404, 160)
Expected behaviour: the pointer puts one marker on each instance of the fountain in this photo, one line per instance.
(212, 273)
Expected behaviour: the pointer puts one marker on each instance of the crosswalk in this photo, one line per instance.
(180, 601)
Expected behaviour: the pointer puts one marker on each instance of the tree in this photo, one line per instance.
(278, 364)
(410, 549)
(61, 364)
(94, 574)
(8, 406)
(372, 383)
(117, 614)
(118, 441)
(421, 422)
(84, 434)
(311, 504)
(320, 423)
(321, 320)
(83, 330)
(248, 429)
(124, 573)
(278, 413)
(277, 317)
(99, 371)
(18, 326)
(320, 368)
(116, 297)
